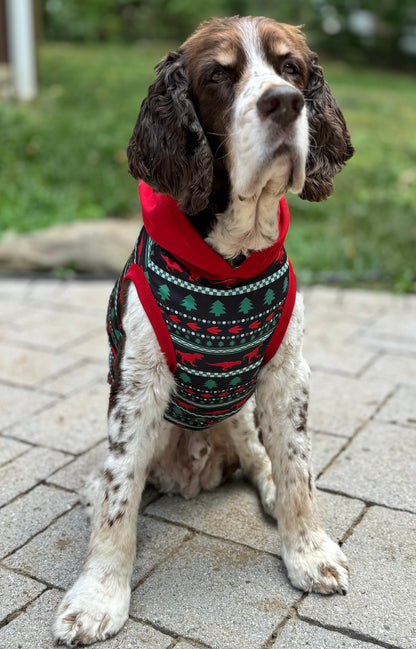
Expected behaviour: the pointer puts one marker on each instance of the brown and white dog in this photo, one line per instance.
(237, 116)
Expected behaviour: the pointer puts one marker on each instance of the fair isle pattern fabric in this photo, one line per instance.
(220, 331)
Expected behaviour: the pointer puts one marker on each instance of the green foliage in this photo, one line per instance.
(63, 155)
(329, 24)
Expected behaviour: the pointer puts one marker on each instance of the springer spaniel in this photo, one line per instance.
(237, 116)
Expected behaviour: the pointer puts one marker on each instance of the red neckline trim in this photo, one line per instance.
(170, 228)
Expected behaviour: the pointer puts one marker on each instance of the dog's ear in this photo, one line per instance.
(168, 148)
(329, 141)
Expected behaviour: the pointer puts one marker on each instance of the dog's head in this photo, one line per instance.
(242, 103)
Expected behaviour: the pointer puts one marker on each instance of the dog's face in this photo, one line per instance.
(241, 105)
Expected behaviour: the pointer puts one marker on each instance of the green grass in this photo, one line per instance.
(63, 158)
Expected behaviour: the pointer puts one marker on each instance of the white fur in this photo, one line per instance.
(259, 174)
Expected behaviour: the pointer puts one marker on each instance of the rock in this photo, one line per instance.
(93, 247)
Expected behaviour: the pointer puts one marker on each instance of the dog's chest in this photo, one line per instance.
(219, 331)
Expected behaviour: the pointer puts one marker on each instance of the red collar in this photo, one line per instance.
(170, 228)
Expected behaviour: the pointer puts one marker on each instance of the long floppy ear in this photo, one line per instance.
(329, 141)
(168, 148)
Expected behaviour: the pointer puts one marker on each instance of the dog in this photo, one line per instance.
(205, 325)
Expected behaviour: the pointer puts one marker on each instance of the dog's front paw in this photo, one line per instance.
(91, 611)
(316, 563)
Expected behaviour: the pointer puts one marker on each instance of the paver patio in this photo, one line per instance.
(208, 573)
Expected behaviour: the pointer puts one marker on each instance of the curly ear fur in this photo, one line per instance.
(329, 140)
(168, 148)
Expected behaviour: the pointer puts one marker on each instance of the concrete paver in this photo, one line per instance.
(11, 448)
(380, 602)
(234, 513)
(300, 635)
(30, 514)
(12, 399)
(400, 408)
(341, 405)
(230, 596)
(67, 540)
(208, 572)
(16, 591)
(368, 468)
(72, 425)
(32, 366)
(399, 369)
(28, 470)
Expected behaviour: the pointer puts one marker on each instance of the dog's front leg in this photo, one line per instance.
(97, 606)
(313, 560)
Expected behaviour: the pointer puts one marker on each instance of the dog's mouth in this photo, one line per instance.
(282, 168)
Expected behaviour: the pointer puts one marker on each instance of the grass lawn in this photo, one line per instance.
(63, 158)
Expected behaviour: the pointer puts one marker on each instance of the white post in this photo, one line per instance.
(21, 42)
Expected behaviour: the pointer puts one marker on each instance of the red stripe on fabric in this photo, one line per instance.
(139, 279)
(170, 228)
(283, 323)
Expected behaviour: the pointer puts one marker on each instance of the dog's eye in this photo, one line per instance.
(290, 68)
(219, 74)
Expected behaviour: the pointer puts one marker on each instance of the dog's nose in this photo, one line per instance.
(282, 104)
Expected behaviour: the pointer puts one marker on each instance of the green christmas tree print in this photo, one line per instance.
(210, 384)
(245, 306)
(269, 297)
(235, 381)
(285, 284)
(217, 308)
(164, 292)
(189, 303)
(185, 377)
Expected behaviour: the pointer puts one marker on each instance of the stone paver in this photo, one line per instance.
(231, 597)
(400, 408)
(380, 603)
(57, 554)
(324, 449)
(27, 470)
(79, 378)
(51, 329)
(399, 369)
(11, 400)
(10, 449)
(325, 352)
(300, 635)
(368, 467)
(74, 475)
(28, 631)
(208, 572)
(72, 425)
(340, 405)
(30, 514)
(16, 591)
(234, 513)
(393, 331)
(32, 367)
